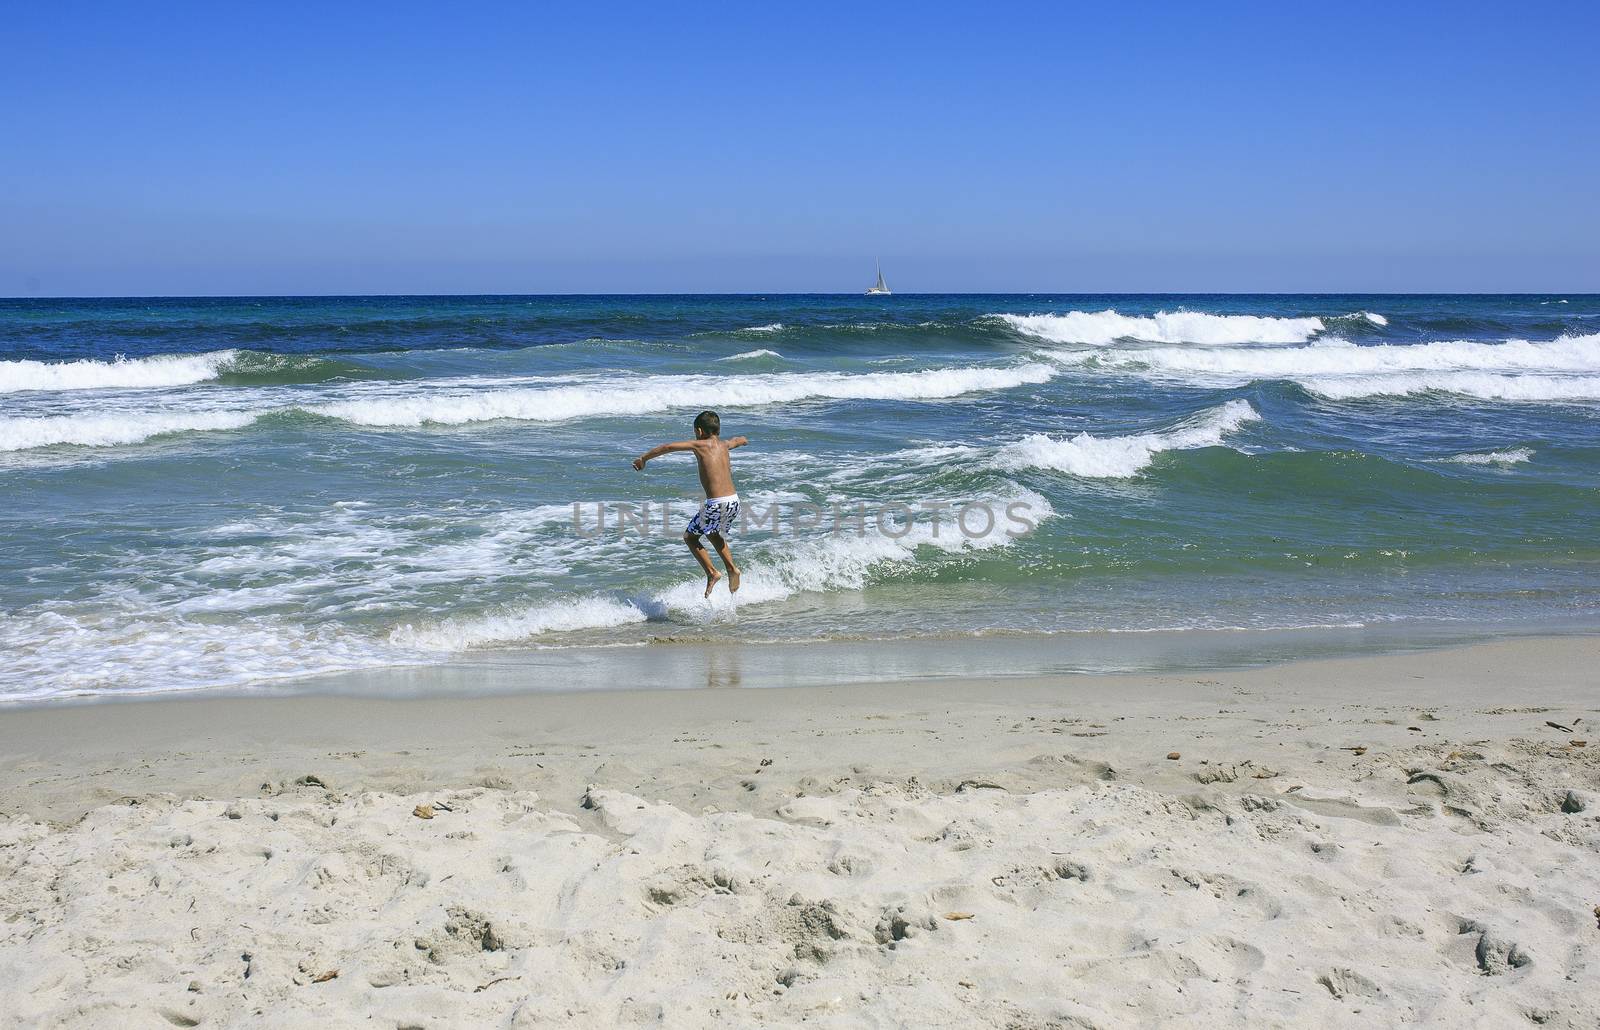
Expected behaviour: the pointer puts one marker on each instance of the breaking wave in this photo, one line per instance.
(1514, 456)
(121, 373)
(228, 367)
(599, 397)
(1572, 354)
(112, 430)
(1119, 457)
(1100, 328)
(1482, 385)
(648, 394)
(1517, 370)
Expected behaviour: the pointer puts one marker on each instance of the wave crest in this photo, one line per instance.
(1515, 370)
(119, 373)
(598, 397)
(1570, 354)
(1514, 456)
(1100, 328)
(230, 367)
(1120, 457)
(649, 394)
(1481, 385)
(26, 433)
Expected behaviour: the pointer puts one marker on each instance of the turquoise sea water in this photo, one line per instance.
(233, 492)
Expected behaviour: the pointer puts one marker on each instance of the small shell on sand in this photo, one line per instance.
(423, 811)
(1173, 756)
(954, 916)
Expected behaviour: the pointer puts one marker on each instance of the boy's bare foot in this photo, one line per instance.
(711, 581)
(733, 579)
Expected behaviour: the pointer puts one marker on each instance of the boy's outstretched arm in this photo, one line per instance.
(658, 451)
(738, 441)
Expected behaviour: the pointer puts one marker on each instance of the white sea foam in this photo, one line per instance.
(774, 327)
(1517, 370)
(1482, 385)
(1373, 317)
(1338, 357)
(131, 640)
(929, 454)
(112, 429)
(1514, 456)
(463, 401)
(53, 654)
(123, 373)
(827, 563)
(751, 355)
(518, 625)
(204, 612)
(1099, 328)
(1119, 457)
(646, 394)
(847, 561)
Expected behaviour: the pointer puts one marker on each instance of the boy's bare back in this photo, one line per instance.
(715, 466)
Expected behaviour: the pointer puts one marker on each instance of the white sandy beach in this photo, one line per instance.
(1354, 842)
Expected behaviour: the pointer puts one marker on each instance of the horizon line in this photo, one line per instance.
(816, 293)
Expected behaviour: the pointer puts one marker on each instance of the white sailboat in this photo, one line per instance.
(880, 288)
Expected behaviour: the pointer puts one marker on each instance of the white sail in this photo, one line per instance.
(880, 286)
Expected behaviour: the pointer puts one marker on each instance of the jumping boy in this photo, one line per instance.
(722, 501)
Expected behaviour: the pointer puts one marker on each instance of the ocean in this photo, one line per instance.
(247, 493)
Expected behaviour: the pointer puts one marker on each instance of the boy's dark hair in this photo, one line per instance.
(708, 421)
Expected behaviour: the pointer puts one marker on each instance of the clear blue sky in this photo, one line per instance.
(318, 148)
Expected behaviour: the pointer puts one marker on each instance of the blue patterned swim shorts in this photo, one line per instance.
(716, 516)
